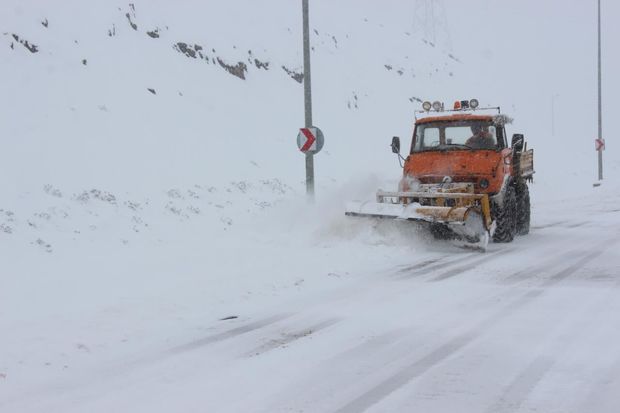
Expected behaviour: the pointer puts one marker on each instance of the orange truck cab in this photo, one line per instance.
(452, 146)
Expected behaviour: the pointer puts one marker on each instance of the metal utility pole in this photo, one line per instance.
(600, 106)
(308, 99)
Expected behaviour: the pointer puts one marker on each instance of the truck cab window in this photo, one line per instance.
(456, 135)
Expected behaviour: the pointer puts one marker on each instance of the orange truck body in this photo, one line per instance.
(464, 180)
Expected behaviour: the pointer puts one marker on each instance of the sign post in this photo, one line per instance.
(600, 106)
(307, 99)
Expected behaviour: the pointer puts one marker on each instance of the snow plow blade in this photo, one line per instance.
(467, 215)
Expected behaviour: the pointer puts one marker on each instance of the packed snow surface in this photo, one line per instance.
(158, 253)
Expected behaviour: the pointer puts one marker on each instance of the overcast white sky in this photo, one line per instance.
(549, 45)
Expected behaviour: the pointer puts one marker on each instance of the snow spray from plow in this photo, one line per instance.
(464, 214)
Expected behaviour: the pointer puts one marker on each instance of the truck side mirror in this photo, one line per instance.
(395, 144)
(517, 142)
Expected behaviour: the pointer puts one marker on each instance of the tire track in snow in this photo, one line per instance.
(609, 277)
(532, 270)
(392, 346)
(289, 337)
(437, 265)
(470, 264)
(421, 265)
(445, 351)
(303, 393)
(407, 374)
(139, 365)
(549, 225)
(563, 224)
(467, 262)
(577, 224)
(522, 386)
(470, 258)
(518, 391)
(601, 397)
(225, 335)
(384, 293)
(87, 384)
(561, 275)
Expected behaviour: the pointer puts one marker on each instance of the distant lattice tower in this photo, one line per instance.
(430, 21)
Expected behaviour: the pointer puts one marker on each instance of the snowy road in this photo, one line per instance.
(158, 253)
(528, 326)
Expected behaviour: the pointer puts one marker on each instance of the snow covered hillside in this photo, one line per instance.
(153, 202)
(119, 94)
(191, 110)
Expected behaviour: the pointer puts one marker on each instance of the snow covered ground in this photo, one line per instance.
(157, 252)
(343, 317)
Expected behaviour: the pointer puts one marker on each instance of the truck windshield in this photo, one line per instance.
(455, 135)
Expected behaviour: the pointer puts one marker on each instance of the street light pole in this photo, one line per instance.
(308, 99)
(600, 106)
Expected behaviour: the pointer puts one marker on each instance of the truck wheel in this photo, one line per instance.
(506, 217)
(441, 231)
(523, 210)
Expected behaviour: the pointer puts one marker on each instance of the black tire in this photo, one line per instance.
(523, 210)
(506, 217)
(441, 231)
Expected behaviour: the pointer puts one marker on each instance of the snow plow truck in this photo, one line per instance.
(460, 176)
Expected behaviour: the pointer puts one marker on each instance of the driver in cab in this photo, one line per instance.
(481, 138)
